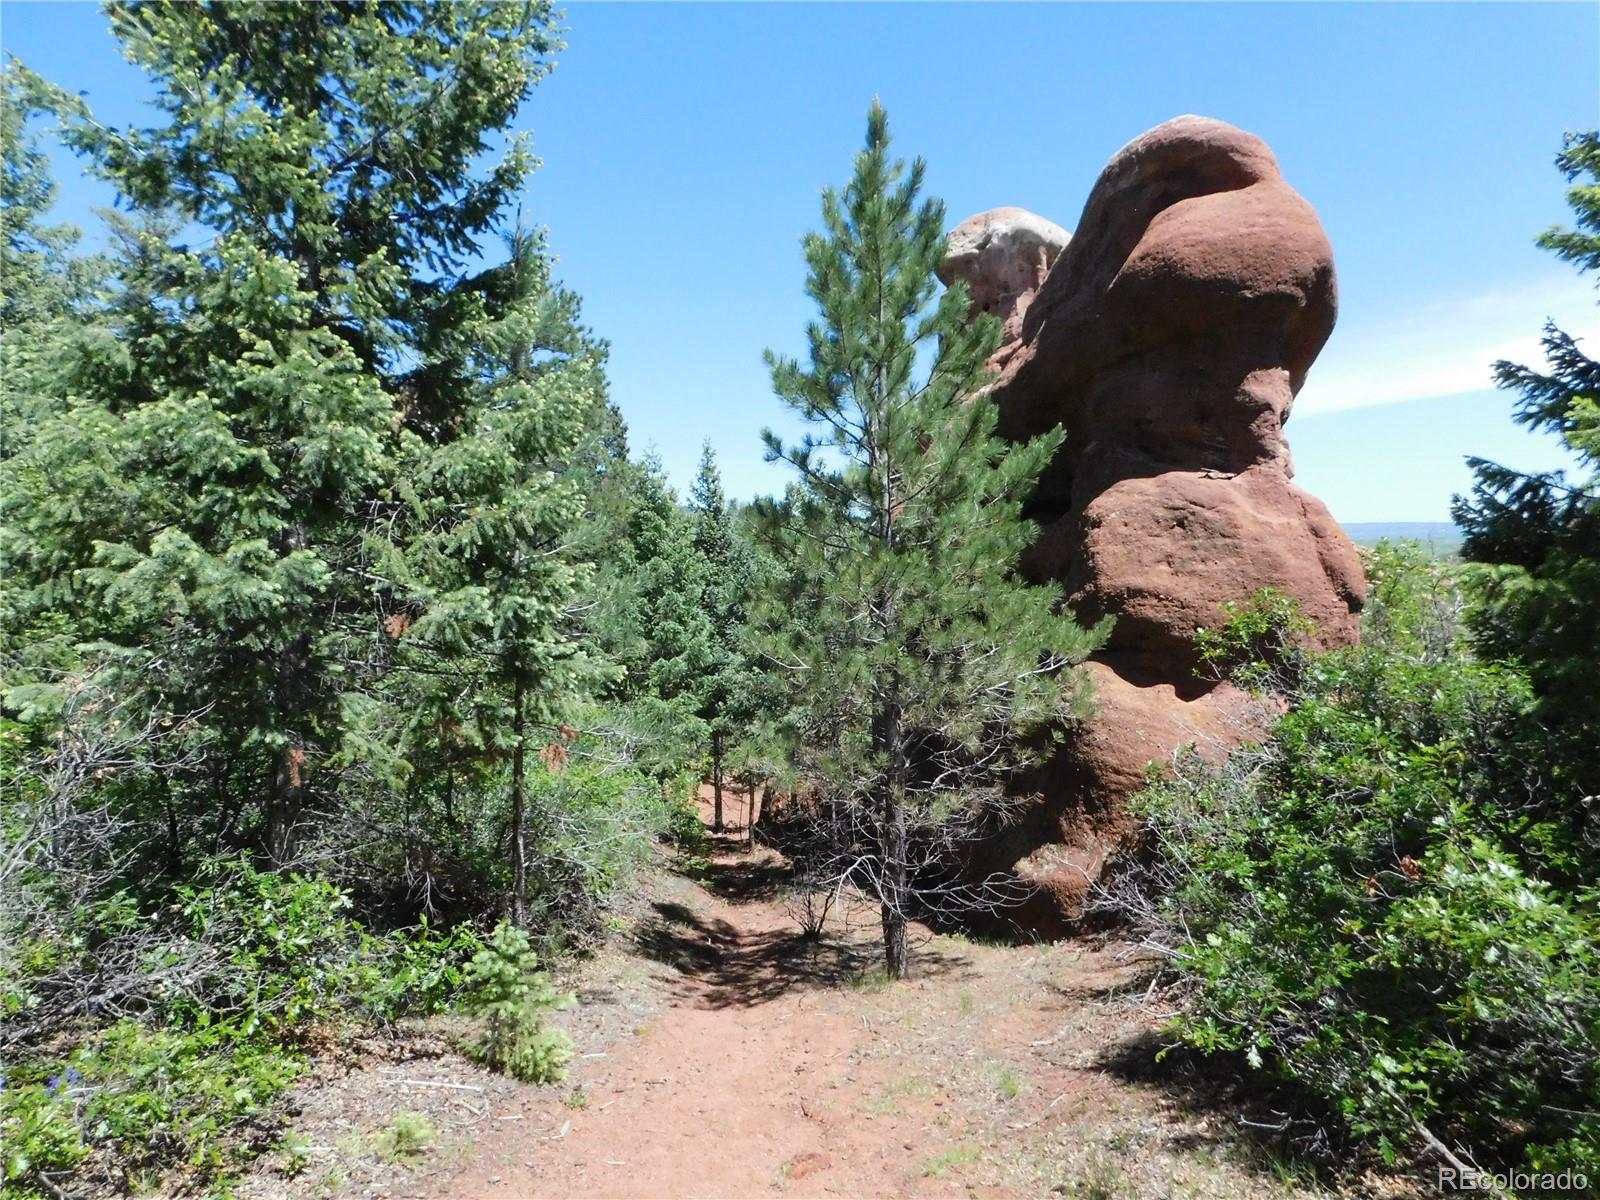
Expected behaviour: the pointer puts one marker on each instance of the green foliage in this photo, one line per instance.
(270, 953)
(406, 1139)
(297, 567)
(1379, 902)
(1007, 1083)
(512, 996)
(1579, 157)
(296, 956)
(301, 610)
(310, 472)
(915, 655)
(223, 980)
(31, 254)
(153, 1098)
(684, 829)
(952, 1157)
(729, 689)
(46, 288)
(1536, 598)
(1262, 643)
(594, 827)
(668, 641)
(295, 1152)
(40, 1136)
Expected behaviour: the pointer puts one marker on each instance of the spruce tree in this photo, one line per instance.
(37, 263)
(1537, 598)
(917, 655)
(485, 577)
(48, 319)
(726, 578)
(237, 469)
(49, 291)
(659, 629)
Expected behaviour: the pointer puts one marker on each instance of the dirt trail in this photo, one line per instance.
(775, 1067)
(731, 1091)
(721, 1056)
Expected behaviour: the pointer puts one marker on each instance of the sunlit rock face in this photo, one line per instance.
(1169, 335)
(1003, 255)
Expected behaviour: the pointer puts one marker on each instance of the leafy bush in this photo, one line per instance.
(684, 829)
(150, 1098)
(1381, 903)
(1261, 645)
(40, 1136)
(210, 990)
(595, 827)
(270, 952)
(506, 988)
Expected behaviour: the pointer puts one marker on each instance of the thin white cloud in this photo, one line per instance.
(1447, 348)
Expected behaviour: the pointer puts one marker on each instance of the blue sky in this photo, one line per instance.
(685, 146)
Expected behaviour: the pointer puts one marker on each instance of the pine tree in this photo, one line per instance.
(917, 654)
(1538, 596)
(727, 576)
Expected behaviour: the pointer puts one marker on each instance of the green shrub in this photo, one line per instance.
(294, 1154)
(40, 1137)
(165, 1096)
(1260, 645)
(152, 1098)
(408, 1137)
(684, 828)
(1380, 902)
(512, 996)
(219, 983)
(597, 826)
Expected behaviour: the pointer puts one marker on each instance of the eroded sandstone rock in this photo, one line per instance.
(1169, 337)
(1004, 255)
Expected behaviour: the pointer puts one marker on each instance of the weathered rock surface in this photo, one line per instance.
(1004, 255)
(1066, 838)
(1169, 337)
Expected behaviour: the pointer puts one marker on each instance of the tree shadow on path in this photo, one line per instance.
(742, 875)
(734, 963)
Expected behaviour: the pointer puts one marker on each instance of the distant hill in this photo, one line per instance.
(1441, 537)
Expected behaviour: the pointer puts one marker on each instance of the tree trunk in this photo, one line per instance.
(750, 820)
(286, 799)
(174, 838)
(894, 889)
(892, 845)
(716, 782)
(283, 808)
(291, 670)
(450, 794)
(519, 848)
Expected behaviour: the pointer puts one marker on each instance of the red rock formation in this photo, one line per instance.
(1169, 338)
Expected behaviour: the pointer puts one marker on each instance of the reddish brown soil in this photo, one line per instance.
(721, 1056)
(777, 1067)
(733, 1090)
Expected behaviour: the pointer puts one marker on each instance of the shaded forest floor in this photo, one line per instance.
(720, 1055)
